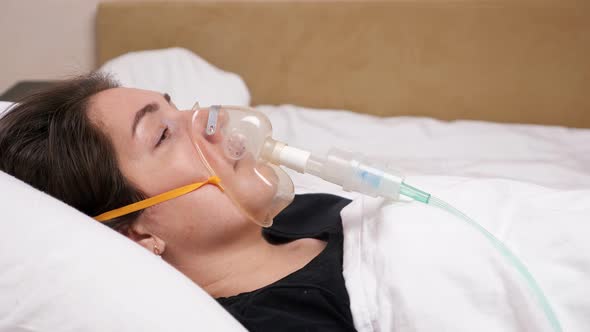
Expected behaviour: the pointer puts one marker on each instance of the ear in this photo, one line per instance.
(145, 238)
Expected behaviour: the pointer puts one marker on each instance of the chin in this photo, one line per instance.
(254, 195)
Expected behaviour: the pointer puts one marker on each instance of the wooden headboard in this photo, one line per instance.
(507, 61)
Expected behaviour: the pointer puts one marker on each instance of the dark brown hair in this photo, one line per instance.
(48, 141)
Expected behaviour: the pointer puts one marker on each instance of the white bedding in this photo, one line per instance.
(550, 156)
(411, 267)
(4, 105)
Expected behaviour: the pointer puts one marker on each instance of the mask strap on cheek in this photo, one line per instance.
(214, 180)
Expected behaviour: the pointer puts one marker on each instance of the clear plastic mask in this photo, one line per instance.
(229, 141)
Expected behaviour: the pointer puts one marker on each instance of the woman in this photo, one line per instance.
(98, 147)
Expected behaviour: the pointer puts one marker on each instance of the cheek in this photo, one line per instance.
(261, 180)
(200, 220)
(173, 171)
(255, 188)
(184, 160)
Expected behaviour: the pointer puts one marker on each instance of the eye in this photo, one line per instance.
(163, 137)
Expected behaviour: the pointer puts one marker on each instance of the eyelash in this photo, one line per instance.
(163, 137)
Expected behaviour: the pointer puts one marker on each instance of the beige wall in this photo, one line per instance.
(45, 39)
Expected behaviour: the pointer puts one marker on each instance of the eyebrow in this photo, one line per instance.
(149, 108)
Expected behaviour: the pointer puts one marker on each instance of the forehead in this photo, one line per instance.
(118, 105)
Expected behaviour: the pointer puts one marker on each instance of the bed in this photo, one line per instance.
(469, 99)
(510, 61)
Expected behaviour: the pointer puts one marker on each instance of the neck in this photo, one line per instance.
(245, 264)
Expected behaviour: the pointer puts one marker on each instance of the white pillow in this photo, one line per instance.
(4, 105)
(182, 74)
(62, 271)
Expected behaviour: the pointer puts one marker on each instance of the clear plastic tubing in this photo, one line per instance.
(499, 245)
(353, 173)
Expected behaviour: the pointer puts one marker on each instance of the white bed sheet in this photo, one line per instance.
(410, 267)
(554, 157)
(551, 156)
(414, 268)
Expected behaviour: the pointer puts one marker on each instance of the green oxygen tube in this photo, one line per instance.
(353, 173)
(426, 198)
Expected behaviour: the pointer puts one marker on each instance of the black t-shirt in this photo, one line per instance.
(313, 298)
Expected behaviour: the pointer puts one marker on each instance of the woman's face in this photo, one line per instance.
(155, 152)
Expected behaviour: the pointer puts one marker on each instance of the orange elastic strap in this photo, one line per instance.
(146, 203)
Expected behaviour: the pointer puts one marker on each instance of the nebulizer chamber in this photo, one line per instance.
(247, 132)
(340, 167)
